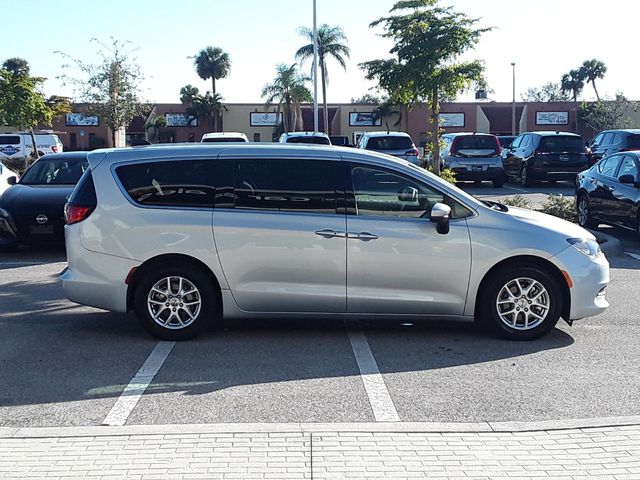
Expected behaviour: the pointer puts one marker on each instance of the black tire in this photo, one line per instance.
(206, 294)
(499, 183)
(500, 279)
(585, 220)
(526, 177)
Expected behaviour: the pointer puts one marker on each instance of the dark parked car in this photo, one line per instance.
(32, 210)
(609, 142)
(609, 192)
(547, 156)
(473, 156)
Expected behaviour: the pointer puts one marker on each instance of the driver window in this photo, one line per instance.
(628, 167)
(383, 193)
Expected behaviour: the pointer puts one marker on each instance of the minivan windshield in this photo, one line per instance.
(55, 172)
(562, 144)
(390, 143)
(309, 139)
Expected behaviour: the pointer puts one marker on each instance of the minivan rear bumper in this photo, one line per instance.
(92, 278)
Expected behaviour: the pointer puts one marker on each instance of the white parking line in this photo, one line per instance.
(138, 384)
(381, 403)
(520, 190)
(633, 255)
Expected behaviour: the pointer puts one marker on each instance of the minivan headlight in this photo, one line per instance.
(589, 247)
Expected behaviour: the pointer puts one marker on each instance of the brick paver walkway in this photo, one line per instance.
(319, 453)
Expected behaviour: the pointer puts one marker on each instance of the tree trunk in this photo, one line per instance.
(214, 117)
(593, 82)
(324, 99)
(113, 136)
(435, 128)
(575, 101)
(34, 153)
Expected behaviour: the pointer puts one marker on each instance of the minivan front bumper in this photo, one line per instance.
(590, 277)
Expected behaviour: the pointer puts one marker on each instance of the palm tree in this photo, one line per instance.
(289, 90)
(329, 46)
(214, 63)
(573, 83)
(188, 93)
(594, 69)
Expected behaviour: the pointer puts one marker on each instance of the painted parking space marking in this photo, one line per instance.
(382, 405)
(633, 255)
(132, 393)
(520, 190)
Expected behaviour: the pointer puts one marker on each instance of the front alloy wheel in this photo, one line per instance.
(584, 212)
(521, 303)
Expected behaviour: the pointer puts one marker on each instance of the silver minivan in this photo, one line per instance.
(187, 234)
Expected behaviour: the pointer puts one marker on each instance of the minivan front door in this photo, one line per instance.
(283, 247)
(396, 261)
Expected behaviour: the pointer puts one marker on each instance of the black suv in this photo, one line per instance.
(608, 142)
(546, 156)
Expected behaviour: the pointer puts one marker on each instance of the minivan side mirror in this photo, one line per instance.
(440, 216)
(12, 180)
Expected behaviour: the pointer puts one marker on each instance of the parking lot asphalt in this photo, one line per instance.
(66, 365)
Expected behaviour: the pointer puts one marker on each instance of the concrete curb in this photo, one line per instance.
(611, 246)
(378, 427)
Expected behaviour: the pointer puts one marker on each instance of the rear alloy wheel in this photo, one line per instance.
(522, 303)
(584, 212)
(526, 177)
(175, 301)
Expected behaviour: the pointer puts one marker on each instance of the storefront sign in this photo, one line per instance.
(79, 119)
(451, 119)
(363, 119)
(264, 119)
(552, 118)
(180, 120)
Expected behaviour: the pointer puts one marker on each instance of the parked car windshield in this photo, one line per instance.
(224, 140)
(562, 144)
(390, 143)
(55, 172)
(314, 140)
(634, 142)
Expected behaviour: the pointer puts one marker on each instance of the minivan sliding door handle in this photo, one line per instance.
(328, 233)
(362, 236)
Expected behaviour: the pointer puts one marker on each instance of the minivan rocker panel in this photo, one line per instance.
(374, 256)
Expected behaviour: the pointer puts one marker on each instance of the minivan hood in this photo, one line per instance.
(549, 222)
(35, 198)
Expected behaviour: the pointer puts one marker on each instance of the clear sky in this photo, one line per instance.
(545, 38)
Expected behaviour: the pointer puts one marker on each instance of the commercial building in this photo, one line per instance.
(81, 132)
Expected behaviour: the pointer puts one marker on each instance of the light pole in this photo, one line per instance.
(315, 70)
(513, 102)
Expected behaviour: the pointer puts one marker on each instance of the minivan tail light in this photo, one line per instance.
(76, 213)
(413, 152)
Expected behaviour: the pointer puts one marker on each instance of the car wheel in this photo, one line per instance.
(583, 207)
(175, 301)
(498, 183)
(522, 303)
(526, 177)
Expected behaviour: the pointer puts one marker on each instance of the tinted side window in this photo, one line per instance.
(606, 140)
(628, 167)
(302, 185)
(383, 193)
(608, 166)
(9, 140)
(172, 183)
(597, 141)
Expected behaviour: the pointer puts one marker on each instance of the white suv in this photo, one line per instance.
(20, 144)
(187, 234)
(315, 138)
(397, 144)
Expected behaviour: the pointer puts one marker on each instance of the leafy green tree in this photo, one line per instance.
(388, 109)
(549, 92)
(367, 99)
(22, 103)
(609, 114)
(213, 63)
(330, 45)
(111, 88)
(288, 89)
(573, 83)
(593, 70)
(428, 41)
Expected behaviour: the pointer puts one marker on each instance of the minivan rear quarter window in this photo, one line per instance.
(633, 142)
(561, 144)
(171, 183)
(292, 185)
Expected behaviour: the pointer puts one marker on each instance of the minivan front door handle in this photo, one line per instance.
(362, 236)
(328, 233)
